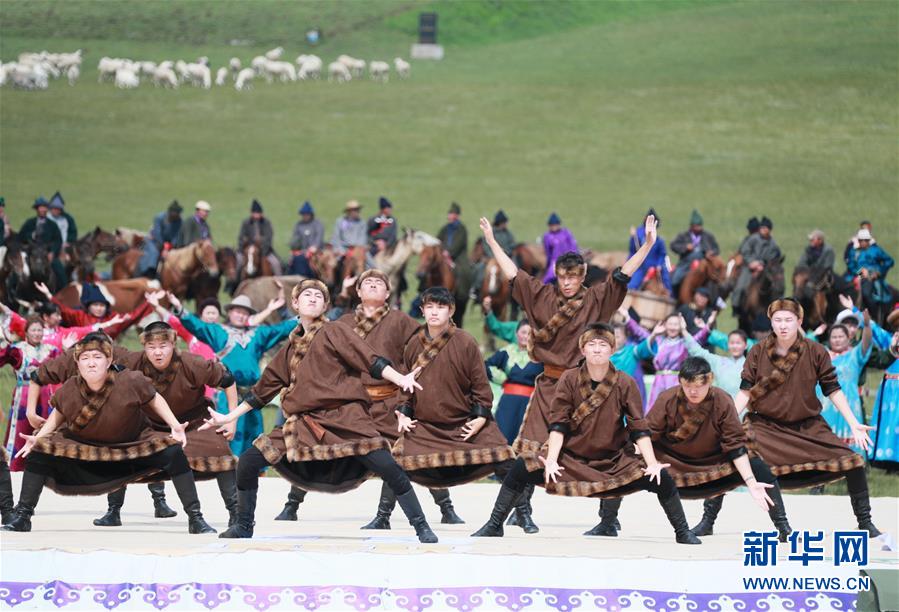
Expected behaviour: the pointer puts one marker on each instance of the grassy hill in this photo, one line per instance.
(596, 110)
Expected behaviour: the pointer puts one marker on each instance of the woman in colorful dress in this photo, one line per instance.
(512, 368)
(885, 417)
(25, 357)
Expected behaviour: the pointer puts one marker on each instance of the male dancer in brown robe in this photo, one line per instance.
(329, 442)
(695, 429)
(596, 418)
(558, 314)
(98, 438)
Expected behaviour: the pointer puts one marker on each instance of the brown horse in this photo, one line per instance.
(80, 255)
(255, 264)
(434, 270)
(531, 258)
(819, 295)
(124, 265)
(708, 272)
(123, 295)
(496, 286)
(392, 261)
(181, 266)
(13, 271)
(352, 264)
(765, 287)
(323, 263)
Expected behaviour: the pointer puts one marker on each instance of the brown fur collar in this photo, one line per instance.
(161, 379)
(431, 347)
(783, 365)
(567, 309)
(364, 325)
(693, 416)
(94, 400)
(593, 398)
(300, 342)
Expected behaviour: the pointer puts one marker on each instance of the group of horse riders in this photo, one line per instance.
(752, 276)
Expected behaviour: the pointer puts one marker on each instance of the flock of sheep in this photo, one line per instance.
(33, 70)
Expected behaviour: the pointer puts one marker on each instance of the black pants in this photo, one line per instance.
(380, 462)
(171, 460)
(519, 477)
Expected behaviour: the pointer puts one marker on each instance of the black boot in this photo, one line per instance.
(861, 506)
(294, 498)
(187, 493)
(505, 500)
(608, 517)
(674, 510)
(778, 514)
(409, 503)
(112, 518)
(161, 509)
(227, 482)
(32, 485)
(448, 513)
(246, 515)
(6, 499)
(523, 511)
(385, 508)
(710, 509)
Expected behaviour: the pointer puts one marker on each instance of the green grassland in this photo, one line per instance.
(594, 109)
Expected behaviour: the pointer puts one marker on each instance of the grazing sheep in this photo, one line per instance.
(244, 79)
(72, 73)
(310, 67)
(355, 66)
(220, 75)
(3, 73)
(107, 68)
(379, 71)
(339, 72)
(274, 54)
(258, 63)
(125, 78)
(234, 65)
(165, 76)
(199, 75)
(402, 67)
(284, 71)
(148, 68)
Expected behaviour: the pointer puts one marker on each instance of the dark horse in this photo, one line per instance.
(819, 293)
(434, 270)
(764, 288)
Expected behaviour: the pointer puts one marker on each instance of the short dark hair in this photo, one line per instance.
(570, 260)
(694, 368)
(438, 295)
(739, 332)
(47, 308)
(836, 327)
(524, 321)
(210, 301)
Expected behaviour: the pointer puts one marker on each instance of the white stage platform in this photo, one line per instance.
(324, 562)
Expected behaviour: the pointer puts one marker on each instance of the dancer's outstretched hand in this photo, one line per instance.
(760, 495)
(655, 471)
(404, 423)
(472, 427)
(551, 469)
(860, 435)
(217, 420)
(29, 444)
(408, 383)
(179, 434)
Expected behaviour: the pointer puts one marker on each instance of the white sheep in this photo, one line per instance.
(258, 63)
(148, 68)
(106, 68)
(284, 71)
(67, 60)
(244, 79)
(274, 54)
(126, 79)
(402, 67)
(220, 75)
(379, 71)
(165, 76)
(72, 73)
(234, 65)
(198, 74)
(339, 72)
(3, 73)
(310, 67)
(355, 66)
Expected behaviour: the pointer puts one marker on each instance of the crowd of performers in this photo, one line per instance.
(378, 393)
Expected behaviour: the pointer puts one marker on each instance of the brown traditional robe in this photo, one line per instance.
(699, 441)
(104, 432)
(561, 352)
(183, 386)
(454, 391)
(784, 421)
(328, 424)
(387, 336)
(600, 422)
